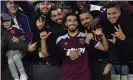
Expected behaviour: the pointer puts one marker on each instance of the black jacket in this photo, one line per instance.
(54, 51)
(121, 50)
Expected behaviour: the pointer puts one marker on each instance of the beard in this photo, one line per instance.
(45, 10)
(86, 25)
(59, 21)
(72, 30)
(13, 9)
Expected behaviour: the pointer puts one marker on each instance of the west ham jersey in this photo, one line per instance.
(74, 69)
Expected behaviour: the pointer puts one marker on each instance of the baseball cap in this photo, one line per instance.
(5, 16)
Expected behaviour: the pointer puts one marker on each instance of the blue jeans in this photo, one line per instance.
(120, 69)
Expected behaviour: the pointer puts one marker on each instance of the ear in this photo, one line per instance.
(120, 13)
(63, 13)
(37, 5)
(6, 4)
(51, 18)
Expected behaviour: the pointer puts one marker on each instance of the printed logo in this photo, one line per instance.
(79, 50)
(66, 43)
(81, 41)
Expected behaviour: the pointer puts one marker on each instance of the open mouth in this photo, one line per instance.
(59, 20)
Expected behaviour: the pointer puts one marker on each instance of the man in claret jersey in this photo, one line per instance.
(75, 63)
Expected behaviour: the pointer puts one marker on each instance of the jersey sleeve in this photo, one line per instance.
(58, 41)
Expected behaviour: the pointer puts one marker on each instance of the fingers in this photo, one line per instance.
(44, 34)
(114, 35)
(117, 34)
(40, 20)
(114, 38)
(35, 43)
(95, 37)
(15, 40)
(86, 32)
(49, 33)
(107, 69)
(119, 27)
(105, 72)
(111, 40)
(116, 28)
(74, 57)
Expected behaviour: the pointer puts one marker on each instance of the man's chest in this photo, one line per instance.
(73, 43)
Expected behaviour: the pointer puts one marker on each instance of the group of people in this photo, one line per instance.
(67, 36)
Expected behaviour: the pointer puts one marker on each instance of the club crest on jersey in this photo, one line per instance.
(66, 43)
(81, 41)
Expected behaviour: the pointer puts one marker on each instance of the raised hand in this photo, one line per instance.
(119, 33)
(93, 23)
(44, 34)
(98, 32)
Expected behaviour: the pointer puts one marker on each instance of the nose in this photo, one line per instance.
(111, 16)
(57, 17)
(85, 21)
(45, 5)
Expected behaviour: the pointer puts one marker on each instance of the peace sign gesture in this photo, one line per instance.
(119, 33)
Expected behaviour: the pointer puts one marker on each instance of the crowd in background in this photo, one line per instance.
(43, 24)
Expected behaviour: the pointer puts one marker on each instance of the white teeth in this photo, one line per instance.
(59, 20)
(112, 19)
(45, 9)
(72, 26)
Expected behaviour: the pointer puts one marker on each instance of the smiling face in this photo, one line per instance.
(85, 19)
(80, 4)
(12, 7)
(7, 24)
(45, 7)
(72, 23)
(57, 16)
(113, 14)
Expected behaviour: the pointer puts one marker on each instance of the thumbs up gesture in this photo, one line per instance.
(44, 34)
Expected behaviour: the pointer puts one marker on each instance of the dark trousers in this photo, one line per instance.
(46, 72)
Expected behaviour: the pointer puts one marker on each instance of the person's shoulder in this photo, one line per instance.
(81, 34)
(62, 37)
